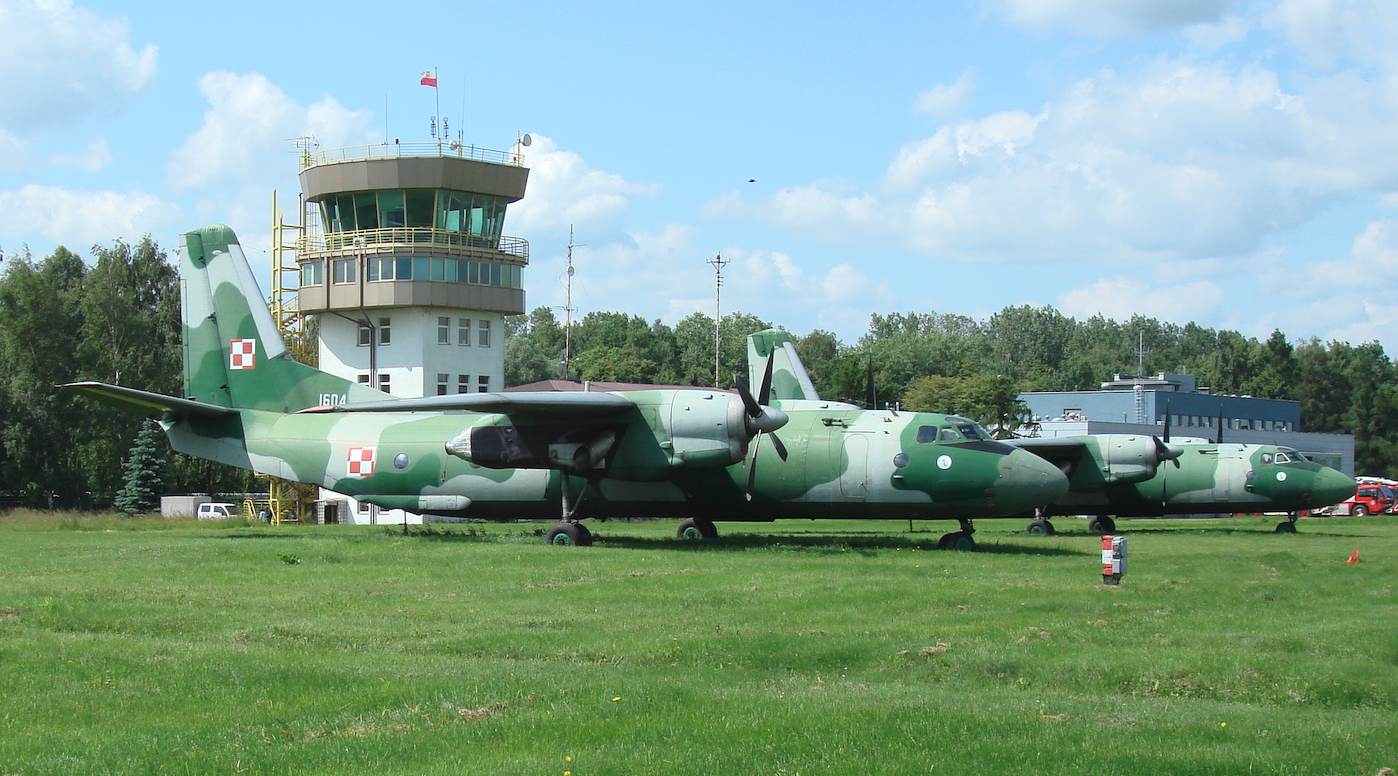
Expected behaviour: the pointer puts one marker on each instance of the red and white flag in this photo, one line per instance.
(429, 78)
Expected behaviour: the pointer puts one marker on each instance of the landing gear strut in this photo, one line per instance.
(692, 528)
(1040, 526)
(568, 532)
(1289, 524)
(960, 541)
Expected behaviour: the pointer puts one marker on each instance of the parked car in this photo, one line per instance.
(216, 510)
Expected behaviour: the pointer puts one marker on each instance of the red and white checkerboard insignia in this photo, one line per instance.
(361, 461)
(242, 353)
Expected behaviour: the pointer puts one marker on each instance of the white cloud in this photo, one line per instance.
(14, 153)
(564, 191)
(63, 64)
(1111, 17)
(1183, 162)
(1121, 297)
(1335, 32)
(98, 156)
(945, 100)
(79, 219)
(244, 136)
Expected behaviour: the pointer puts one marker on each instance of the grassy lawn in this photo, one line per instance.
(794, 648)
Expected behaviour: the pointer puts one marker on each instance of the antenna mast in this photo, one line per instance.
(718, 263)
(568, 309)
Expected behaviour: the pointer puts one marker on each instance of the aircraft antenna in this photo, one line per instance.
(718, 263)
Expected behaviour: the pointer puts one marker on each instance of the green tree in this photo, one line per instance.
(147, 470)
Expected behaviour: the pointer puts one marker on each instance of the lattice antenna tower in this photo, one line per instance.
(718, 263)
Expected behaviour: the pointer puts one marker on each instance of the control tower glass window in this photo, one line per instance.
(366, 211)
(420, 208)
(392, 212)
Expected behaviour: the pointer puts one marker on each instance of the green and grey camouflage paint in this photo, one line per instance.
(690, 453)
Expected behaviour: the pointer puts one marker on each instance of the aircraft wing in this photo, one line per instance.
(1055, 450)
(151, 405)
(580, 406)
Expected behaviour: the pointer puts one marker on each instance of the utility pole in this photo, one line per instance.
(718, 263)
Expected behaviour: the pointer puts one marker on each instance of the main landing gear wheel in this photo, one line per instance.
(692, 530)
(569, 535)
(1104, 525)
(1040, 527)
(961, 541)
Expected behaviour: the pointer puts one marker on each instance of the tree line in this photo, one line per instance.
(115, 318)
(62, 319)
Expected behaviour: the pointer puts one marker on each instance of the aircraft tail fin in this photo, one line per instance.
(234, 355)
(789, 378)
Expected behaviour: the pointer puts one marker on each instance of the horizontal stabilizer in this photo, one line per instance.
(572, 405)
(155, 406)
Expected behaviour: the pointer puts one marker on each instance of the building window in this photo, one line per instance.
(344, 270)
(311, 273)
(463, 331)
(443, 331)
(483, 384)
(442, 380)
(384, 337)
(363, 506)
(383, 384)
(363, 379)
(366, 336)
(484, 339)
(463, 383)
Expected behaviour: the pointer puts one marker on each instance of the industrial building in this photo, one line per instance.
(1129, 404)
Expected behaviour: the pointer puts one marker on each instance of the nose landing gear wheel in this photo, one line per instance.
(569, 535)
(1102, 525)
(692, 529)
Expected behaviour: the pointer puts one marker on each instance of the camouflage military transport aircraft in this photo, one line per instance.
(1116, 474)
(1136, 475)
(703, 455)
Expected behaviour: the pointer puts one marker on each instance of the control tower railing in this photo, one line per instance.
(453, 150)
(350, 241)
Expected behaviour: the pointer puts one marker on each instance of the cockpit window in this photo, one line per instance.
(927, 434)
(1266, 458)
(972, 431)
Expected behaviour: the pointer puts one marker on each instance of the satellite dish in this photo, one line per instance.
(453, 145)
(526, 141)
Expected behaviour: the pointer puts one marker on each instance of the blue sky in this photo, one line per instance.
(1228, 162)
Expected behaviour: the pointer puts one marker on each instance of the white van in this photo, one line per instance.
(216, 510)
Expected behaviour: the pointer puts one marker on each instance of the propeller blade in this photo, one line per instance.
(1220, 425)
(752, 406)
(752, 468)
(765, 394)
(779, 447)
(1167, 420)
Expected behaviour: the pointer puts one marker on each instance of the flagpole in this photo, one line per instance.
(437, 93)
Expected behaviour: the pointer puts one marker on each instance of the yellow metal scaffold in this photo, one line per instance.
(286, 502)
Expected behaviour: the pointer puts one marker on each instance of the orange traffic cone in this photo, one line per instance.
(1353, 556)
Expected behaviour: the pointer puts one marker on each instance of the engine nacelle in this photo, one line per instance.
(706, 429)
(1112, 459)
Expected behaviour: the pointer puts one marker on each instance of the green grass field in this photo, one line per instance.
(793, 648)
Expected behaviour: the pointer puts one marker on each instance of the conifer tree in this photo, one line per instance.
(146, 471)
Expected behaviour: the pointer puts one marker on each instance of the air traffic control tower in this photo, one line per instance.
(408, 271)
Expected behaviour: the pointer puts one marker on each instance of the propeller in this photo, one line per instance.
(760, 418)
(1164, 451)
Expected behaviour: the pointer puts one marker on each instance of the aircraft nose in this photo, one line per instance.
(1331, 487)
(1027, 481)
